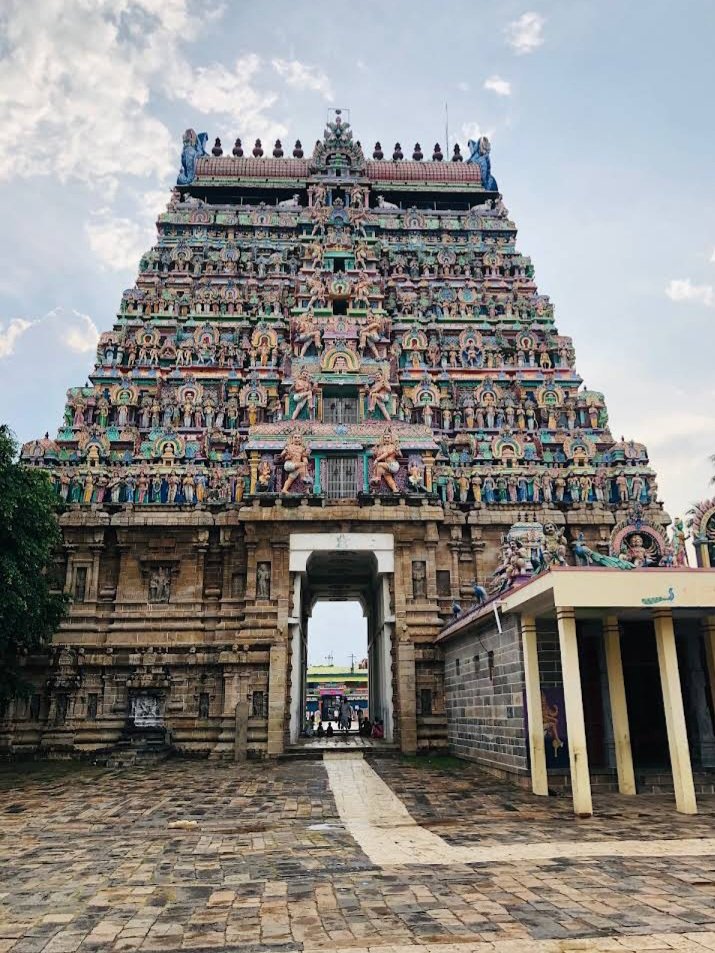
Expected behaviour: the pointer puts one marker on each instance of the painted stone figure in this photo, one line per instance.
(370, 335)
(160, 585)
(680, 553)
(419, 579)
(379, 396)
(303, 393)
(194, 147)
(263, 580)
(296, 462)
(385, 462)
(479, 155)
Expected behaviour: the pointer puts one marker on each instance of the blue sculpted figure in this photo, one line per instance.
(479, 155)
(193, 148)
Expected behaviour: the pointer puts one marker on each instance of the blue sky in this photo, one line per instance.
(337, 629)
(602, 144)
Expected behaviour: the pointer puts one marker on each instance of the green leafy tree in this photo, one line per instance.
(29, 538)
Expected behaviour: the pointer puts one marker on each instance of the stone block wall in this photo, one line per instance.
(484, 693)
(547, 647)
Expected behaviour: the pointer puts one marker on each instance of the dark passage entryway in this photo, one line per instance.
(644, 697)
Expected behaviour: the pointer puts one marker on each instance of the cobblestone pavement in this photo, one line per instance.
(259, 858)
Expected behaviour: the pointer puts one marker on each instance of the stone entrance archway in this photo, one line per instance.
(342, 566)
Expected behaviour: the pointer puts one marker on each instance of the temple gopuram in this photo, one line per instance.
(334, 378)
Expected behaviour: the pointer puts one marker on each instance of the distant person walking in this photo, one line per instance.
(346, 715)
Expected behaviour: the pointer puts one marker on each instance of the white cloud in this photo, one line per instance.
(9, 335)
(302, 76)
(496, 84)
(81, 335)
(526, 34)
(69, 328)
(712, 257)
(472, 130)
(76, 109)
(463, 87)
(118, 243)
(217, 89)
(682, 289)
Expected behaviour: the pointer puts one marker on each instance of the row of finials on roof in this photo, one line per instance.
(278, 153)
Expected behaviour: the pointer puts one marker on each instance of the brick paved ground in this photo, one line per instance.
(259, 858)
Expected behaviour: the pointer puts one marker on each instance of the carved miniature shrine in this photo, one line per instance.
(323, 343)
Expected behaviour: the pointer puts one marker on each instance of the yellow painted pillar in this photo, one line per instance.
(573, 703)
(539, 781)
(619, 709)
(674, 713)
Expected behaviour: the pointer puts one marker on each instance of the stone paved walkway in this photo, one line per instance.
(389, 835)
(260, 858)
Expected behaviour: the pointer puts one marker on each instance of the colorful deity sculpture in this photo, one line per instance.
(386, 464)
(296, 462)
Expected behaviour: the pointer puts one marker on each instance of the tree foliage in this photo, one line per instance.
(29, 538)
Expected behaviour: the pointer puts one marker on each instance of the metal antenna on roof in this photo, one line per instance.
(446, 129)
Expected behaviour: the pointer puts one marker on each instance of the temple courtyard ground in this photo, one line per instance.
(348, 854)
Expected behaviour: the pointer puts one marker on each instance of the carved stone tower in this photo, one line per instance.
(334, 377)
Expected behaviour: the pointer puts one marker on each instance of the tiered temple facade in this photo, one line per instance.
(334, 377)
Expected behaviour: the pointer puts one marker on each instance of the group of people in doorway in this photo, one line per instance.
(343, 716)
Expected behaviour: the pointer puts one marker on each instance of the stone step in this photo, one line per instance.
(316, 751)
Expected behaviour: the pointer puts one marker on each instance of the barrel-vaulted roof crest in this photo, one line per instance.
(338, 150)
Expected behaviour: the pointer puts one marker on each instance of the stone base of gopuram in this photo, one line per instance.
(189, 624)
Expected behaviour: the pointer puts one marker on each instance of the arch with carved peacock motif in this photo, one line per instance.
(181, 256)
(526, 341)
(264, 341)
(147, 336)
(168, 447)
(487, 394)
(638, 540)
(549, 395)
(340, 359)
(426, 396)
(93, 445)
(414, 339)
(190, 391)
(580, 450)
(414, 219)
(206, 335)
(508, 450)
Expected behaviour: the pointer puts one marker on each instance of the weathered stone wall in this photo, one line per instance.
(485, 698)
(218, 635)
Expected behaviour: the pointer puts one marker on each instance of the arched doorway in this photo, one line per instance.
(343, 567)
(337, 659)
